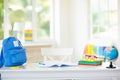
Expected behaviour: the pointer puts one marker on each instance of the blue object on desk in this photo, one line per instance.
(111, 54)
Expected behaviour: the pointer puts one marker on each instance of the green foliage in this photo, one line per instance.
(43, 21)
(1, 13)
(15, 16)
(98, 29)
(1, 34)
(96, 18)
(100, 20)
(46, 27)
(26, 2)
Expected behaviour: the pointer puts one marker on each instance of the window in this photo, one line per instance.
(28, 20)
(104, 18)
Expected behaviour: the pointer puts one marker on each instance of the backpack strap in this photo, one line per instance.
(1, 58)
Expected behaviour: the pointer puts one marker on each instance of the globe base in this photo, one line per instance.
(111, 66)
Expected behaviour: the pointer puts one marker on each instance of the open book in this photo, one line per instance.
(56, 64)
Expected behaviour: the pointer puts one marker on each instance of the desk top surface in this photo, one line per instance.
(35, 67)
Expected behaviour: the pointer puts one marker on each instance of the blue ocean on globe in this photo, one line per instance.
(111, 53)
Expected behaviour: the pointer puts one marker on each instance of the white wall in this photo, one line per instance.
(73, 24)
(118, 42)
(79, 24)
(63, 29)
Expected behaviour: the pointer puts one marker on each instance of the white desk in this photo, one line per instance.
(33, 72)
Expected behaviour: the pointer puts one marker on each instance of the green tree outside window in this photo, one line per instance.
(1, 19)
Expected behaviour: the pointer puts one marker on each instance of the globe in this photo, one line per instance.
(111, 54)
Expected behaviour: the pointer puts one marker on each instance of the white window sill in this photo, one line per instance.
(37, 44)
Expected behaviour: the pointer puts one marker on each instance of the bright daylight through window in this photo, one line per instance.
(104, 19)
(28, 20)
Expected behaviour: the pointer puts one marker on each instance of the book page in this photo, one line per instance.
(56, 64)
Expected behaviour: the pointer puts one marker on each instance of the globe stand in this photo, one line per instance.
(111, 65)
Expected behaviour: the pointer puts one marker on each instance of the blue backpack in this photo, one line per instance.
(12, 53)
(1, 63)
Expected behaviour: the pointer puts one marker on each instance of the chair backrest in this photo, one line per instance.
(57, 54)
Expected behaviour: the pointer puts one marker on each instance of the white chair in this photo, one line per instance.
(57, 54)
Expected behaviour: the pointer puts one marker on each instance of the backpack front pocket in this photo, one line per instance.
(18, 56)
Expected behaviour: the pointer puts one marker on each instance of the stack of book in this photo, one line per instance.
(90, 61)
(93, 55)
